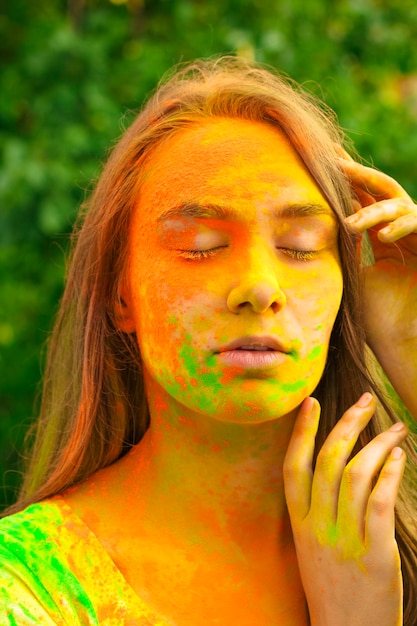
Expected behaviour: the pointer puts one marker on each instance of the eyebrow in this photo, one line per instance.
(219, 212)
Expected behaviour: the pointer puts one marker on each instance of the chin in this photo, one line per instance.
(251, 411)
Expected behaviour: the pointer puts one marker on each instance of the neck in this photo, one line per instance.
(197, 501)
(216, 478)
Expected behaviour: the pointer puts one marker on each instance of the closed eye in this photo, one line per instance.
(299, 255)
(199, 254)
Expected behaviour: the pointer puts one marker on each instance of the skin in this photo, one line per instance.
(251, 284)
(344, 528)
(346, 532)
(389, 216)
(206, 495)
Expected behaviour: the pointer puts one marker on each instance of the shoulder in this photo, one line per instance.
(53, 565)
(35, 573)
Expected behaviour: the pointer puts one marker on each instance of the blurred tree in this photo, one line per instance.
(72, 70)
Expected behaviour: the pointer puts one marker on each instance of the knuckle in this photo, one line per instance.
(388, 474)
(288, 470)
(380, 504)
(291, 467)
(325, 462)
(355, 473)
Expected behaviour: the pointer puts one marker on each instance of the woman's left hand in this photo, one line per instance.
(342, 514)
(389, 216)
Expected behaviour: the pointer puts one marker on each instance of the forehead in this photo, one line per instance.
(229, 161)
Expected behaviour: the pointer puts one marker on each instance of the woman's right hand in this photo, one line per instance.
(343, 519)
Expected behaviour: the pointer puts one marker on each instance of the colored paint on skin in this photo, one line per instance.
(209, 380)
(68, 572)
(328, 535)
(181, 381)
(212, 457)
(292, 387)
(230, 234)
(348, 547)
(315, 353)
(230, 374)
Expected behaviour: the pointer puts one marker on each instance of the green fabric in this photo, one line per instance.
(53, 570)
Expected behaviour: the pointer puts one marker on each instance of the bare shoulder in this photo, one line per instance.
(96, 501)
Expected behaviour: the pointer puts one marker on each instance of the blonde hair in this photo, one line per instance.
(93, 406)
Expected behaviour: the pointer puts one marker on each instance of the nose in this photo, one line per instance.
(258, 288)
(257, 282)
(259, 295)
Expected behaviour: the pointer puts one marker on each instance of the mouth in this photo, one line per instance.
(255, 348)
(255, 344)
(249, 353)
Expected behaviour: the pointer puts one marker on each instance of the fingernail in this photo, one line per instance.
(351, 219)
(397, 426)
(397, 453)
(364, 400)
(387, 230)
(308, 405)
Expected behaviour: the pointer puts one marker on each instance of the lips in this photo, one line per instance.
(255, 343)
(254, 348)
(255, 355)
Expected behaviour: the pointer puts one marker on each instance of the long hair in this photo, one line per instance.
(93, 406)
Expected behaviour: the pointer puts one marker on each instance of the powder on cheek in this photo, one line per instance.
(199, 165)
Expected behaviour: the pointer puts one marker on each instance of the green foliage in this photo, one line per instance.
(74, 71)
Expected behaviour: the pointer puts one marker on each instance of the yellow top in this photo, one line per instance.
(54, 570)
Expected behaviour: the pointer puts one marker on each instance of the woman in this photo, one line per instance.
(182, 473)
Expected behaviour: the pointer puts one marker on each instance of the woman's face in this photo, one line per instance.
(234, 280)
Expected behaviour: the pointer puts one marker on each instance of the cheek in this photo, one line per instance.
(170, 311)
(175, 335)
(316, 304)
(322, 293)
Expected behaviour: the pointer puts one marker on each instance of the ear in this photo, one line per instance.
(123, 313)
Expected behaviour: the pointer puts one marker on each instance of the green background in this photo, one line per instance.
(73, 74)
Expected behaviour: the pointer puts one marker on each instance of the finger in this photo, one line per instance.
(342, 152)
(380, 522)
(299, 458)
(400, 228)
(373, 182)
(358, 476)
(333, 456)
(380, 213)
(362, 199)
